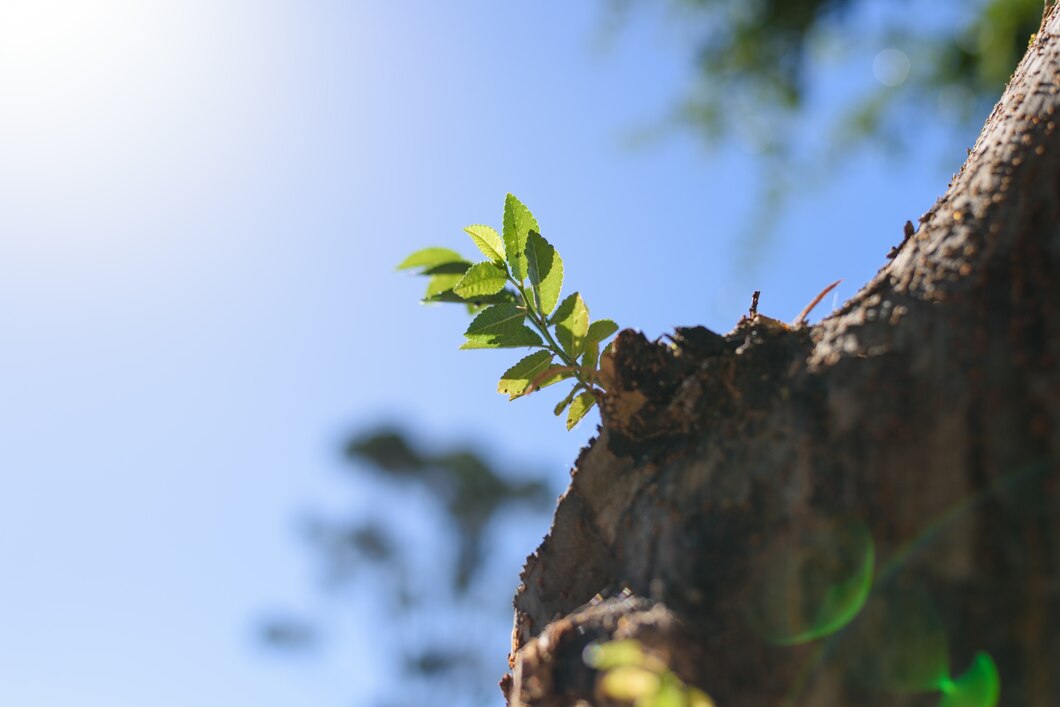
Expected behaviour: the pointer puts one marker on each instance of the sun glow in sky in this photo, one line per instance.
(78, 77)
(54, 45)
(98, 100)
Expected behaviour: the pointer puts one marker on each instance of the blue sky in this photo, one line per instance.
(201, 204)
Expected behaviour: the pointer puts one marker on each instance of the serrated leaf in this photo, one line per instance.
(481, 279)
(456, 267)
(572, 324)
(553, 375)
(520, 338)
(544, 267)
(500, 326)
(439, 284)
(518, 378)
(518, 222)
(499, 298)
(581, 405)
(497, 319)
(562, 404)
(601, 329)
(477, 304)
(487, 240)
(591, 354)
(429, 257)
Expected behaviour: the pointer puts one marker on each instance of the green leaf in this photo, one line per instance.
(572, 324)
(553, 375)
(518, 378)
(562, 404)
(498, 319)
(591, 355)
(520, 338)
(439, 284)
(628, 683)
(481, 279)
(601, 329)
(613, 654)
(518, 222)
(671, 694)
(456, 267)
(487, 240)
(429, 257)
(449, 296)
(698, 698)
(581, 405)
(500, 326)
(477, 304)
(545, 269)
(443, 277)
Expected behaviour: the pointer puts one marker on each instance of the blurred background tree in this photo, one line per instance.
(446, 616)
(758, 60)
(755, 65)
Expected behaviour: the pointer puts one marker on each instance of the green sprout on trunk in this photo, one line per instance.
(515, 296)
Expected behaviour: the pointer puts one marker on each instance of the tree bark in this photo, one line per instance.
(916, 432)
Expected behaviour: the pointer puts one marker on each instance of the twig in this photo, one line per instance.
(816, 300)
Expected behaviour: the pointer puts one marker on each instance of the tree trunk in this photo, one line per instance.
(843, 514)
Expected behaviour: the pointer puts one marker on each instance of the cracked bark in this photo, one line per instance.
(926, 410)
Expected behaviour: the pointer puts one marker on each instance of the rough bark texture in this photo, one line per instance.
(925, 414)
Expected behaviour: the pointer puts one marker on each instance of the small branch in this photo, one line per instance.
(816, 300)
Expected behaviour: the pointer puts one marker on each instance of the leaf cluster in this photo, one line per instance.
(514, 294)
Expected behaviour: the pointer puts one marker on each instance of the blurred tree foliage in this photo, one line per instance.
(937, 65)
(472, 490)
(439, 624)
(756, 57)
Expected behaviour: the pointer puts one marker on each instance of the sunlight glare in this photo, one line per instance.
(53, 45)
(87, 119)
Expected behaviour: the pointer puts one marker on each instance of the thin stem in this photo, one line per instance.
(589, 381)
(809, 308)
(542, 327)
